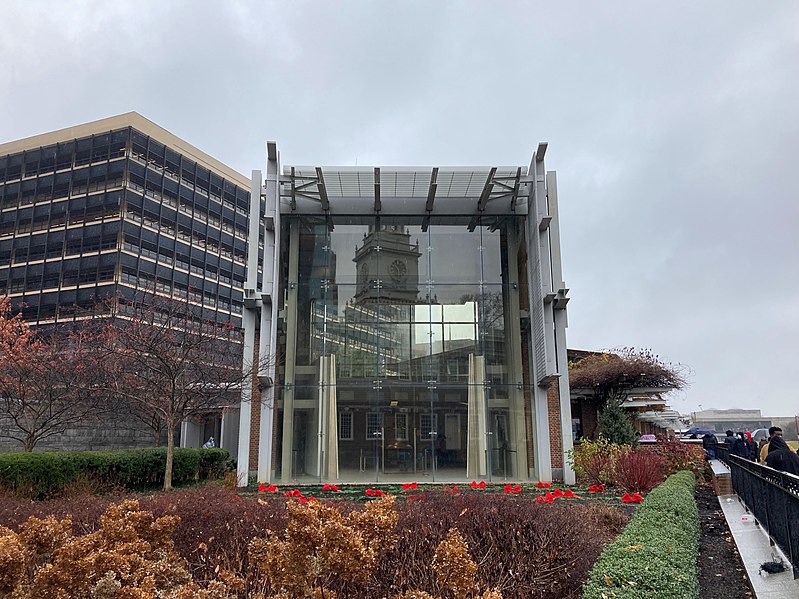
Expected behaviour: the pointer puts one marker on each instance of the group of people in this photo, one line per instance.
(773, 452)
(742, 444)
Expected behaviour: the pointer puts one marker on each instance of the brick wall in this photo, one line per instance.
(553, 409)
(255, 419)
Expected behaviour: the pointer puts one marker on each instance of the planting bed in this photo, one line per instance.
(522, 548)
(721, 573)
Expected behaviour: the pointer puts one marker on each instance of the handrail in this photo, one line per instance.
(773, 498)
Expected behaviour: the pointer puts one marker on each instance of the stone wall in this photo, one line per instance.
(105, 434)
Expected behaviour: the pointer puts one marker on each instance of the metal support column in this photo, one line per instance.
(269, 314)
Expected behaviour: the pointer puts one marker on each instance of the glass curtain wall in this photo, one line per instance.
(400, 369)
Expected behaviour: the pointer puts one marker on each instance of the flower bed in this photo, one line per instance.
(522, 548)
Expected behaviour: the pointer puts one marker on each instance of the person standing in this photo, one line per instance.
(729, 440)
(774, 431)
(784, 460)
(739, 446)
(777, 443)
(750, 444)
(709, 443)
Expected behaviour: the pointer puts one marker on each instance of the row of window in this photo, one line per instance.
(58, 249)
(112, 145)
(178, 167)
(144, 280)
(184, 233)
(62, 186)
(63, 214)
(194, 211)
(181, 261)
(228, 200)
(69, 277)
(64, 155)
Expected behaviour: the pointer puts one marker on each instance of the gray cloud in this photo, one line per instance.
(672, 126)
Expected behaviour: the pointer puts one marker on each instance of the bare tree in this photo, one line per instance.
(47, 383)
(169, 363)
(613, 374)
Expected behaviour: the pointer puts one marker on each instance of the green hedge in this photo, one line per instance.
(656, 554)
(41, 475)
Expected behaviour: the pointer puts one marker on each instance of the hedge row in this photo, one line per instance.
(40, 475)
(656, 554)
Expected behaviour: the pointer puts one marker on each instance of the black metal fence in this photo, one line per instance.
(772, 497)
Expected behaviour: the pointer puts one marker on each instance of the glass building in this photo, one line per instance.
(117, 206)
(419, 316)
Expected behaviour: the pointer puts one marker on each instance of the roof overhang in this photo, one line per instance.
(422, 191)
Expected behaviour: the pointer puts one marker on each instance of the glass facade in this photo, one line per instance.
(399, 363)
(107, 214)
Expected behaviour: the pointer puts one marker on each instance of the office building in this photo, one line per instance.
(114, 207)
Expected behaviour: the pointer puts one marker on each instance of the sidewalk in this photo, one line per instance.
(755, 549)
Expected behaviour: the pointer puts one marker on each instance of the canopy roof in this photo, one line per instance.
(405, 190)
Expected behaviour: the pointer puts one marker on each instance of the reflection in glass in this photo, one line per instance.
(402, 331)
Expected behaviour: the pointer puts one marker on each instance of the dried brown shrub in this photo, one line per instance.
(521, 549)
(453, 565)
(130, 556)
(323, 546)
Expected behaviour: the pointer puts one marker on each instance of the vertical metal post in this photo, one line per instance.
(539, 335)
(270, 289)
(561, 323)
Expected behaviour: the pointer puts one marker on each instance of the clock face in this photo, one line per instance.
(398, 271)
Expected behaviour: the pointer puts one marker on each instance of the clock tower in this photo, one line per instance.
(388, 266)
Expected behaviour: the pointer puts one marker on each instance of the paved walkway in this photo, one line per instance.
(755, 549)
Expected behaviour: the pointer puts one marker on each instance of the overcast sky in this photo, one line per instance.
(673, 127)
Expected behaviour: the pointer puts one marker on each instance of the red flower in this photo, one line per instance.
(509, 488)
(262, 488)
(451, 490)
(540, 485)
(329, 487)
(570, 494)
(292, 493)
(408, 486)
(375, 493)
(634, 498)
(271, 489)
(480, 485)
(596, 489)
(558, 493)
(548, 498)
